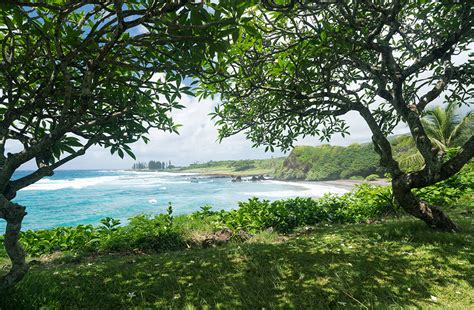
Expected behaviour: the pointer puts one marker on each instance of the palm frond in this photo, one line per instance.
(411, 161)
(459, 129)
(444, 126)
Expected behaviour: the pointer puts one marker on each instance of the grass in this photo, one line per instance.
(231, 167)
(229, 171)
(396, 264)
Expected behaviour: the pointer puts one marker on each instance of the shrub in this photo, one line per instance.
(81, 237)
(447, 192)
(356, 177)
(143, 232)
(364, 203)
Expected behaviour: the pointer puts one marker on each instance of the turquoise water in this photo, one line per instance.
(85, 196)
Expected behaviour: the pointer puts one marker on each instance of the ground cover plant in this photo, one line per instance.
(394, 264)
(164, 232)
(356, 250)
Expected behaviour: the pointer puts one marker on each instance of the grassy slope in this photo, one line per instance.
(400, 263)
(228, 167)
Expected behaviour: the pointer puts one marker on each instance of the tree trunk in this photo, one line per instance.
(13, 214)
(433, 216)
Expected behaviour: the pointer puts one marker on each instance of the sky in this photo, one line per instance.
(197, 142)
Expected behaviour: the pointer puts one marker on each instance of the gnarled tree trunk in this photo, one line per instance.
(13, 214)
(433, 216)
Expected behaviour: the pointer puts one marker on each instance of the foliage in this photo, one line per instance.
(41, 242)
(445, 128)
(84, 70)
(447, 193)
(155, 233)
(144, 232)
(395, 264)
(364, 203)
(243, 165)
(302, 70)
(75, 74)
(328, 162)
(165, 232)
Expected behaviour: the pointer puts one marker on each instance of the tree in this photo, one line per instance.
(79, 73)
(445, 128)
(296, 68)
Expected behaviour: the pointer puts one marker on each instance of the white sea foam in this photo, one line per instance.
(157, 173)
(76, 183)
(309, 190)
(153, 201)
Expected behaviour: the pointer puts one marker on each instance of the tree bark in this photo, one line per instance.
(433, 216)
(13, 214)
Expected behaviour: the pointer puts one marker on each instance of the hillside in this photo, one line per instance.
(312, 163)
(237, 167)
(328, 162)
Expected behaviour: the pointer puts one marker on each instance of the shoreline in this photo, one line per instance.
(346, 184)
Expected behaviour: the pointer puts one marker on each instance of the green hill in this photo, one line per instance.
(248, 167)
(327, 162)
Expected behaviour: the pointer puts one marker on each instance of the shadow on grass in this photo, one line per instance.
(398, 263)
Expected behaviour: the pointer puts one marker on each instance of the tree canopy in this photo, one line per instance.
(79, 73)
(297, 68)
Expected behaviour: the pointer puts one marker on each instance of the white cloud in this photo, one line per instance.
(197, 142)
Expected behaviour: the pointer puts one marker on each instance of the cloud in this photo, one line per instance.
(197, 142)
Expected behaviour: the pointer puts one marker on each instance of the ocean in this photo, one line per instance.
(73, 197)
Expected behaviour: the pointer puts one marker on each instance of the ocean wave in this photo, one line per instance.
(76, 183)
(158, 173)
(306, 190)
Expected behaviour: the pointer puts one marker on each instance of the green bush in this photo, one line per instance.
(356, 177)
(446, 193)
(156, 233)
(145, 232)
(39, 242)
(364, 203)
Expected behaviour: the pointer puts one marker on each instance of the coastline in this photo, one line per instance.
(346, 184)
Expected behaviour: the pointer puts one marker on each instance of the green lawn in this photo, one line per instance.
(400, 263)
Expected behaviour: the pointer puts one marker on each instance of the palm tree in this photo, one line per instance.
(445, 128)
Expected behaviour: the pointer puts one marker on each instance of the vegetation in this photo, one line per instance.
(395, 263)
(152, 165)
(328, 162)
(296, 69)
(296, 249)
(76, 73)
(366, 203)
(445, 128)
(237, 167)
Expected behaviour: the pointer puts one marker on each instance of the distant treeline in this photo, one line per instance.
(152, 165)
